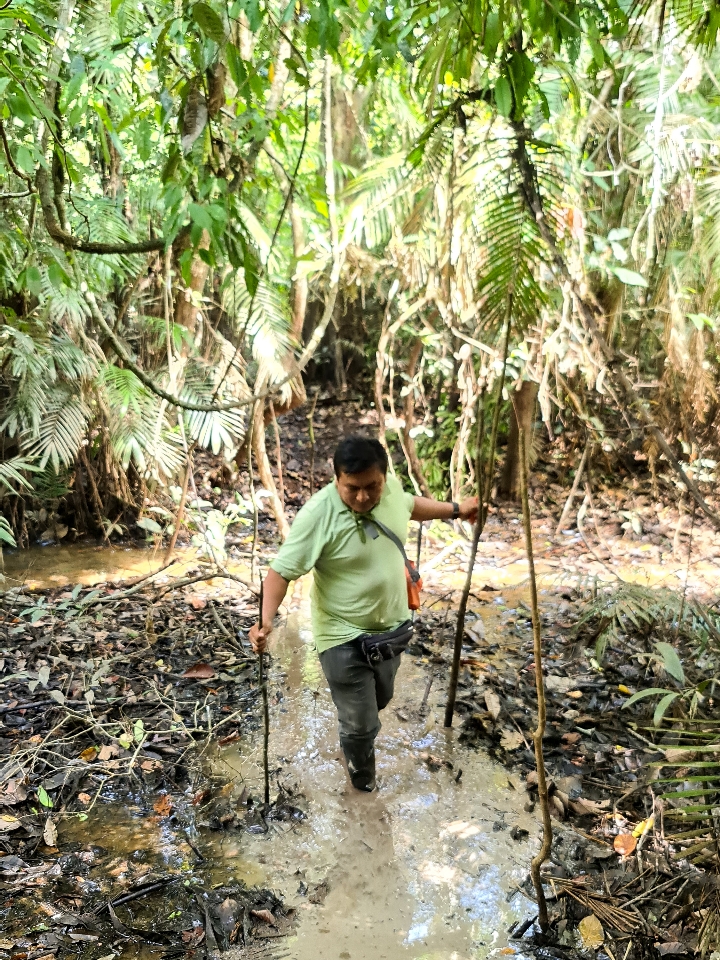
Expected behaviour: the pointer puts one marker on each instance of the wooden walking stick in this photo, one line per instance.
(262, 680)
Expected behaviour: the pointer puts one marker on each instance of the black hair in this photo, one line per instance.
(356, 454)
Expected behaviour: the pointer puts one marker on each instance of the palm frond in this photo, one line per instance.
(216, 431)
(12, 473)
(267, 329)
(60, 432)
(138, 426)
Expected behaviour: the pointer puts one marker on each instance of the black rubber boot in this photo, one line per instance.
(360, 759)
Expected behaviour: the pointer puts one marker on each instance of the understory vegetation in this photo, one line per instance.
(203, 204)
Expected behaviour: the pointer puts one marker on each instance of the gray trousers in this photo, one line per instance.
(360, 690)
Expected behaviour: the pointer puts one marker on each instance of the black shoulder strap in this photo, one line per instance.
(372, 526)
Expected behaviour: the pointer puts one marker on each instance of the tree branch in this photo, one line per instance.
(148, 382)
(13, 166)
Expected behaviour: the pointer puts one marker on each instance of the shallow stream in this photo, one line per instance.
(423, 868)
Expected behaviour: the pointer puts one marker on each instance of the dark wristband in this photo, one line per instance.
(456, 510)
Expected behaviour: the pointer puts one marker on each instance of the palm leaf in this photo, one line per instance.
(60, 432)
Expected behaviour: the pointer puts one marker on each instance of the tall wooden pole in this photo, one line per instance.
(544, 851)
(483, 479)
(262, 680)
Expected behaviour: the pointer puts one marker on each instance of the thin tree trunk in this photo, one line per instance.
(573, 492)
(544, 851)
(523, 407)
(265, 471)
(409, 417)
(180, 510)
(460, 626)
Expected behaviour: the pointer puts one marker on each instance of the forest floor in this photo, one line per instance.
(131, 816)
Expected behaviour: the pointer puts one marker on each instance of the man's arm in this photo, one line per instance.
(274, 590)
(427, 509)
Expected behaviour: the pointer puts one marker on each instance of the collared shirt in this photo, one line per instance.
(359, 583)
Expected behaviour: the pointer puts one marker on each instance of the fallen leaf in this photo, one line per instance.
(624, 844)
(202, 796)
(8, 823)
(199, 671)
(492, 702)
(263, 915)
(228, 738)
(623, 689)
(555, 684)
(194, 937)
(643, 827)
(163, 805)
(575, 694)
(511, 740)
(50, 833)
(671, 949)
(14, 792)
(585, 808)
(591, 931)
(84, 797)
(89, 754)
(119, 870)
(108, 752)
(197, 603)
(570, 737)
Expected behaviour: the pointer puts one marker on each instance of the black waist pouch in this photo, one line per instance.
(384, 646)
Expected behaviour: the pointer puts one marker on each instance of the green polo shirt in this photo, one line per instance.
(359, 587)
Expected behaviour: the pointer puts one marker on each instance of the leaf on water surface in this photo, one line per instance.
(199, 671)
(163, 805)
(591, 931)
(624, 844)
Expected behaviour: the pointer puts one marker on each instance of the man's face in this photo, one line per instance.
(361, 491)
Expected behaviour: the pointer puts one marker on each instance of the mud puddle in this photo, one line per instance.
(423, 868)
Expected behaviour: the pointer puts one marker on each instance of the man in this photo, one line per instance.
(359, 585)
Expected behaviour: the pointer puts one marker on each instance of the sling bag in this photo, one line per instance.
(412, 574)
(384, 646)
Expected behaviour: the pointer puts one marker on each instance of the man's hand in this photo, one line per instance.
(259, 637)
(469, 509)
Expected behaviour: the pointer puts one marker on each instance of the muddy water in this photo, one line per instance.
(423, 868)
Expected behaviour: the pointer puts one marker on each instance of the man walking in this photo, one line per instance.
(347, 535)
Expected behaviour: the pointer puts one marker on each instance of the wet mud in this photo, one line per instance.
(423, 868)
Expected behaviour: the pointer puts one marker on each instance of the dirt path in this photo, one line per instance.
(423, 867)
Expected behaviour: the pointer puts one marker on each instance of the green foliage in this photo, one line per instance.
(631, 609)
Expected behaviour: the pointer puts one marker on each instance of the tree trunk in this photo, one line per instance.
(524, 408)
(265, 472)
(409, 416)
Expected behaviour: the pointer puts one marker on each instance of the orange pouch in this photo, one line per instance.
(413, 589)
